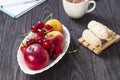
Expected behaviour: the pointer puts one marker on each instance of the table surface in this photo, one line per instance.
(82, 65)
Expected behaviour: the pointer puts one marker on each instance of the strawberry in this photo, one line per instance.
(23, 48)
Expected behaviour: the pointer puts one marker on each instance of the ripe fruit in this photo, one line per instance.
(56, 37)
(53, 56)
(34, 29)
(56, 24)
(36, 57)
(48, 44)
(58, 50)
(40, 32)
(37, 38)
(31, 41)
(48, 28)
(23, 49)
(40, 25)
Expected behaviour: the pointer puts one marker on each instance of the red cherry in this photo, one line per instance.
(40, 32)
(47, 44)
(58, 50)
(48, 28)
(40, 25)
(31, 41)
(36, 57)
(34, 29)
(37, 38)
(53, 56)
(40, 41)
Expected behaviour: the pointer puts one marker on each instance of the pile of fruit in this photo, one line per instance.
(46, 45)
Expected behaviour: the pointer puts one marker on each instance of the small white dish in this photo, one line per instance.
(27, 70)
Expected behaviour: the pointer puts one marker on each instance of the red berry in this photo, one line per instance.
(48, 44)
(52, 47)
(48, 28)
(58, 50)
(31, 41)
(40, 32)
(40, 25)
(40, 41)
(53, 56)
(34, 29)
(37, 38)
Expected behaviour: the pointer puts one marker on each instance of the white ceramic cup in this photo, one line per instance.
(77, 10)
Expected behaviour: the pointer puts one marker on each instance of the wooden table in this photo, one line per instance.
(82, 65)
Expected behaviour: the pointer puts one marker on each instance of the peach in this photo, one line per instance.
(56, 24)
(56, 37)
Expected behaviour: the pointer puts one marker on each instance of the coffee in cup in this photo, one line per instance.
(78, 8)
(75, 1)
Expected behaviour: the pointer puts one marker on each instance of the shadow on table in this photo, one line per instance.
(86, 19)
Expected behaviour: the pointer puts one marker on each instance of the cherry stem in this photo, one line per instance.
(49, 16)
(23, 35)
(73, 51)
(22, 44)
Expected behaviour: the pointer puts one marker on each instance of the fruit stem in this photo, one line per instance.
(22, 44)
(23, 35)
(49, 16)
(73, 51)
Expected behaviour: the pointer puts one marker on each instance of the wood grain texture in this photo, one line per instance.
(82, 65)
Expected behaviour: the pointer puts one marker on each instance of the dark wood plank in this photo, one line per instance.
(82, 60)
(105, 64)
(10, 39)
(101, 69)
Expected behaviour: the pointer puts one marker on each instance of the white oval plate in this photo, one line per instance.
(27, 70)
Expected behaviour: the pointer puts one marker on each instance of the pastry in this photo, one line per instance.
(90, 37)
(100, 30)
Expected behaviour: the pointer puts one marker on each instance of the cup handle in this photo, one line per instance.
(94, 5)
